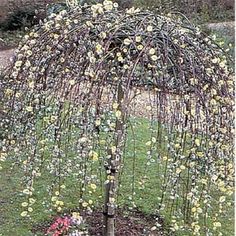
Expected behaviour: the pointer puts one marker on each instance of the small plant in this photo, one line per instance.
(67, 225)
(60, 226)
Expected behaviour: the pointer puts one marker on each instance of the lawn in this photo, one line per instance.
(140, 174)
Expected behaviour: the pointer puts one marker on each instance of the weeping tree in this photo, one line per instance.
(71, 100)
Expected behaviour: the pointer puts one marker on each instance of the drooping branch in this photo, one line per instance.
(66, 100)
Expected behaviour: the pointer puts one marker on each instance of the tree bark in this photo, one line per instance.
(112, 170)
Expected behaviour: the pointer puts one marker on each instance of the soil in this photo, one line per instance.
(133, 223)
(136, 224)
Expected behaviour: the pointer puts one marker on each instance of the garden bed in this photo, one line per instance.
(128, 223)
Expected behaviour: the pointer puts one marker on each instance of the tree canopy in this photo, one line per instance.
(68, 103)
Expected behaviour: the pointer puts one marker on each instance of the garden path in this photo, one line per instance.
(5, 57)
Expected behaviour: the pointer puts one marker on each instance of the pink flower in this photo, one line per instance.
(60, 226)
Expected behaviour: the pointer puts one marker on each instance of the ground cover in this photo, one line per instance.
(144, 196)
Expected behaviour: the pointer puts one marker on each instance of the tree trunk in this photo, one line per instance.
(112, 170)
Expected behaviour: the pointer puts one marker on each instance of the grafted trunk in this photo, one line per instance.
(112, 170)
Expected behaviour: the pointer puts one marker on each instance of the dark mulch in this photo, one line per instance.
(133, 223)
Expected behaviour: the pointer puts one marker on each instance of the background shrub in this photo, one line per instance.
(200, 10)
(22, 13)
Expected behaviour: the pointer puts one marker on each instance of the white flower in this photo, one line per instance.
(97, 8)
(154, 57)
(103, 35)
(127, 41)
(152, 51)
(72, 82)
(113, 149)
(132, 10)
(115, 105)
(26, 191)
(18, 63)
(118, 114)
(217, 224)
(24, 213)
(32, 200)
(30, 209)
(182, 167)
(29, 108)
(222, 199)
(153, 228)
(83, 140)
(99, 49)
(138, 39)
(197, 142)
(24, 204)
(149, 28)
(178, 171)
(140, 47)
(108, 5)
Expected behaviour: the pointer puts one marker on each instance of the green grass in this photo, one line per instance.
(146, 199)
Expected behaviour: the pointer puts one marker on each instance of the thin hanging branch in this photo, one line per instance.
(74, 86)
